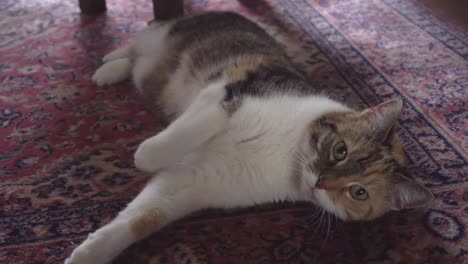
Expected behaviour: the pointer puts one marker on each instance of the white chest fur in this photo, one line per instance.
(252, 160)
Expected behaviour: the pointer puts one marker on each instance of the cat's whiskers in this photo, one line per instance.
(314, 216)
(315, 220)
(311, 225)
(328, 231)
(300, 157)
(295, 222)
(319, 221)
(297, 166)
(336, 220)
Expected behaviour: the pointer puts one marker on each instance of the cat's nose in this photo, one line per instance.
(319, 184)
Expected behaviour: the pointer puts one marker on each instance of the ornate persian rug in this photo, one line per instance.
(66, 146)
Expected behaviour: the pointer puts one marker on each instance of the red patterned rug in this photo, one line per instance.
(66, 146)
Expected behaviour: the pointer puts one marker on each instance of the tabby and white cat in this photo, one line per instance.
(247, 129)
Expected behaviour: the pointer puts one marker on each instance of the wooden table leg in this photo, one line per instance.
(167, 9)
(92, 6)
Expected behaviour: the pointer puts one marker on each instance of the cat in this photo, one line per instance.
(247, 128)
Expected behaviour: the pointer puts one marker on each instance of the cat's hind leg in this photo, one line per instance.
(113, 71)
(202, 120)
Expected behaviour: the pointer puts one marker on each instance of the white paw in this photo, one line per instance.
(108, 57)
(84, 254)
(116, 54)
(152, 155)
(80, 257)
(112, 72)
(212, 94)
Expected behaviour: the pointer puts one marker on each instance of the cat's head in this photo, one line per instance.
(352, 164)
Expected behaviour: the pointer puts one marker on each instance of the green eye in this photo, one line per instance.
(340, 151)
(358, 193)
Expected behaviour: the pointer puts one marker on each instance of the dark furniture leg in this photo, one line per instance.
(92, 6)
(163, 9)
(168, 9)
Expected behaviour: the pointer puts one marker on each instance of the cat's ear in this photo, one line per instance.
(382, 117)
(407, 193)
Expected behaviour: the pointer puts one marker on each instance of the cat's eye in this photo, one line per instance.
(358, 193)
(340, 151)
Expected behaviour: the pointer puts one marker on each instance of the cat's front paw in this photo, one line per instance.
(142, 161)
(92, 250)
(79, 258)
(84, 255)
(150, 157)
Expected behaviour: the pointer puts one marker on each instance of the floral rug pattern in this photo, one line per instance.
(66, 145)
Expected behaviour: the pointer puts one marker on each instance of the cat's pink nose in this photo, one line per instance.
(320, 184)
